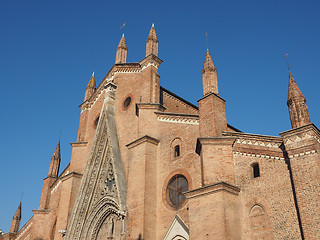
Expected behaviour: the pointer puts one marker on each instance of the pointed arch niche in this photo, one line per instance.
(261, 226)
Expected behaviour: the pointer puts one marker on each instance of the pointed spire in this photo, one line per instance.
(208, 62)
(55, 162)
(121, 55)
(152, 42)
(91, 87)
(298, 110)
(209, 76)
(294, 90)
(16, 220)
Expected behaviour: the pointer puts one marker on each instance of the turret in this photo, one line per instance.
(209, 76)
(212, 109)
(91, 88)
(16, 220)
(152, 42)
(50, 179)
(55, 162)
(121, 55)
(298, 110)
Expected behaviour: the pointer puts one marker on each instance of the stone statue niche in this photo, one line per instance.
(111, 228)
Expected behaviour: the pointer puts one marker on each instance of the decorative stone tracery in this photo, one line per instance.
(99, 210)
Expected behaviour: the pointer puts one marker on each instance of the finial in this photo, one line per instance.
(122, 34)
(152, 25)
(286, 56)
(123, 25)
(207, 41)
(92, 74)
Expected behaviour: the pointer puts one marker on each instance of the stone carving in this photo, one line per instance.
(100, 204)
(110, 184)
(110, 228)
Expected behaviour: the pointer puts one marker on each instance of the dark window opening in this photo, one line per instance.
(96, 122)
(177, 151)
(127, 102)
(256, 170)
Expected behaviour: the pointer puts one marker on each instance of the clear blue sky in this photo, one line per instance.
(49, 50)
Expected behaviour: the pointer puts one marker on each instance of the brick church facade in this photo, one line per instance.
(149, 165)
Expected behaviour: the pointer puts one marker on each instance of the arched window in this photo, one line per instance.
(256, 170)
(177, 151)
(261, 226)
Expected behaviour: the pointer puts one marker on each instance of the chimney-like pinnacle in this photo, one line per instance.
(152, 42)
(55, 162)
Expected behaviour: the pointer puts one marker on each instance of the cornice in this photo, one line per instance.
(178, 118)
(211, 94)
(213, 188)
(150, 60)
(141, 140)
(156, 106)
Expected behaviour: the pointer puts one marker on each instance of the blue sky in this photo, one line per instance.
(49, 50)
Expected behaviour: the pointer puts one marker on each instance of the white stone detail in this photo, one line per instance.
(148, 65)
(24, 230)
(178, 120)
(55, 187)
(259, 155)
(177, 230)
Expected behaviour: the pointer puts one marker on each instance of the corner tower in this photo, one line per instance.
(212, 109)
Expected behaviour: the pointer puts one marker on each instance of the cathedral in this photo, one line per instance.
(149, 165)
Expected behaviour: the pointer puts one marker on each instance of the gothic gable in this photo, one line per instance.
(177, 230)
(99, 210)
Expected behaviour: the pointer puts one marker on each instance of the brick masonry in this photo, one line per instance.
(224, 200)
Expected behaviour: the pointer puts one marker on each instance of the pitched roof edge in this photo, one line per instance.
(180, 98)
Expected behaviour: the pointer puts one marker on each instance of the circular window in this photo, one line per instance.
(96, 122)
(177, 185)
(127, 102)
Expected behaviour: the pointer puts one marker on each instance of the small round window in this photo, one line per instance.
(177, 185)
(127, 102)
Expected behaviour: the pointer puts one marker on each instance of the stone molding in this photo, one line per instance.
(213, 188)
(213, 141)
(155, 106)
(141, 140)
(79, 144)
(43, 211)
(209, 94)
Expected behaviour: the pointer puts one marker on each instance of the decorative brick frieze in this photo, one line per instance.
(178, 118)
